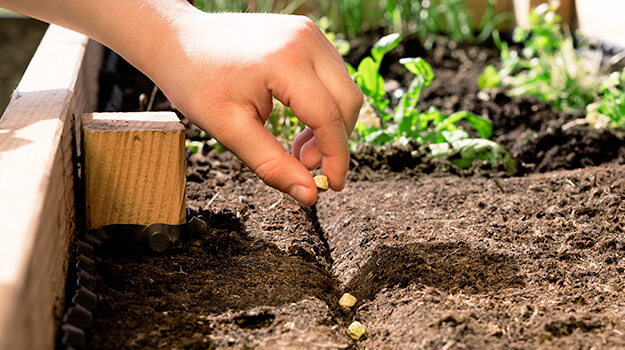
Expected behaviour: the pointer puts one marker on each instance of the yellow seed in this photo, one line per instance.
(322, 182)
(356, 331)
(347, 301)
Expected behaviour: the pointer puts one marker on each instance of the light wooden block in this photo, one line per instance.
(134, 168)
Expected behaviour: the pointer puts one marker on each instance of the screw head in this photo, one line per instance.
(158, 241)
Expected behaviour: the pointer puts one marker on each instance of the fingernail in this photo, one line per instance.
(300, 193)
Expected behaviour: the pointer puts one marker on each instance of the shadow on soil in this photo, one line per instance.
(446, 266)
(224, 270)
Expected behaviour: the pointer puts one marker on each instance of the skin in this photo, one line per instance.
(221, 71)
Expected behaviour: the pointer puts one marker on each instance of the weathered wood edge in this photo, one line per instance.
(37, 211)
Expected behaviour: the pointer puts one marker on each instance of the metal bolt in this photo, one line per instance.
(158, 241)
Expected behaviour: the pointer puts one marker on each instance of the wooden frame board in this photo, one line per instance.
(37, 211)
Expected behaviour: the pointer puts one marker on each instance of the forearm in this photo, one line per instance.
(130, 27)
(222, 70)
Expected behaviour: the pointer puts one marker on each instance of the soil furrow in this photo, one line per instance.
(456, 261)
(260, 278)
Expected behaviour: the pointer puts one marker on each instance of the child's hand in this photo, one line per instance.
(221, 72)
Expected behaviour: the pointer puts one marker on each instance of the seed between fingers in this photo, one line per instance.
(322, 183)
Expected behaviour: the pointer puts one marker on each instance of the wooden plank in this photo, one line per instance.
(134, 168)
(37, 213)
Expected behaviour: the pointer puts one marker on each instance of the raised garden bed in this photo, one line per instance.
(438, 257)
(37, 210)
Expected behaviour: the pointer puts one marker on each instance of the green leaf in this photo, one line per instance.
(352, 71)
(194, 146)
(439, 150)
(464, 152)
(369, 79)
(384, 45)
(489, 78)
(455, 135)
(419, 67)
(379, 137)
(431, 115)
(612, 81)
(482, 125)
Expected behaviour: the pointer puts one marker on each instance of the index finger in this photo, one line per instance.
(311, 102)
(249, 140)
(344, 102)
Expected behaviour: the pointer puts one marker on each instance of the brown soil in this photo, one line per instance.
(438, 257)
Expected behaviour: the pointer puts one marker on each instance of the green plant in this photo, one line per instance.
(451, 18)
(222, 5)
(194, 146)
(609, 110)
(368, 77)
(549, 67)
(405, 122)
(342, 45)
(427, 18)
(282, 123)
(464, 152)
(275, 6)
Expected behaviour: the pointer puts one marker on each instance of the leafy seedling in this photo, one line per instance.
(609, 110)
(464, 152)
(549, 67)
(194, 146)
(405, 123)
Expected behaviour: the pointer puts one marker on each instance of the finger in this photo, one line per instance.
(311, 102)
(342, 88)
(310, 155)
(349, 98)
(304, 146)
(264, 155)
(299, 141)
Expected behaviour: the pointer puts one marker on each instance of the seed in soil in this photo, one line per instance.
(347, 301)
(322, 183)
(356, 331)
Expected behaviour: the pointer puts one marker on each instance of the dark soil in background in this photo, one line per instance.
(437, 260)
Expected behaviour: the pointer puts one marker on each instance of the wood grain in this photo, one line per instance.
(37, 212)
(134, 168)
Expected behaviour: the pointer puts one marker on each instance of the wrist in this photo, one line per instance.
(150, 38)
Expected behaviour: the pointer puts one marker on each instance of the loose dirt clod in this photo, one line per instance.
(347, 301)
(322, 183)
(356, 331)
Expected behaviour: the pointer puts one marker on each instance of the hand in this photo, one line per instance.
(222, 71)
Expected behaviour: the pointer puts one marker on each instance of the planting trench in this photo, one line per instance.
(436, 260)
